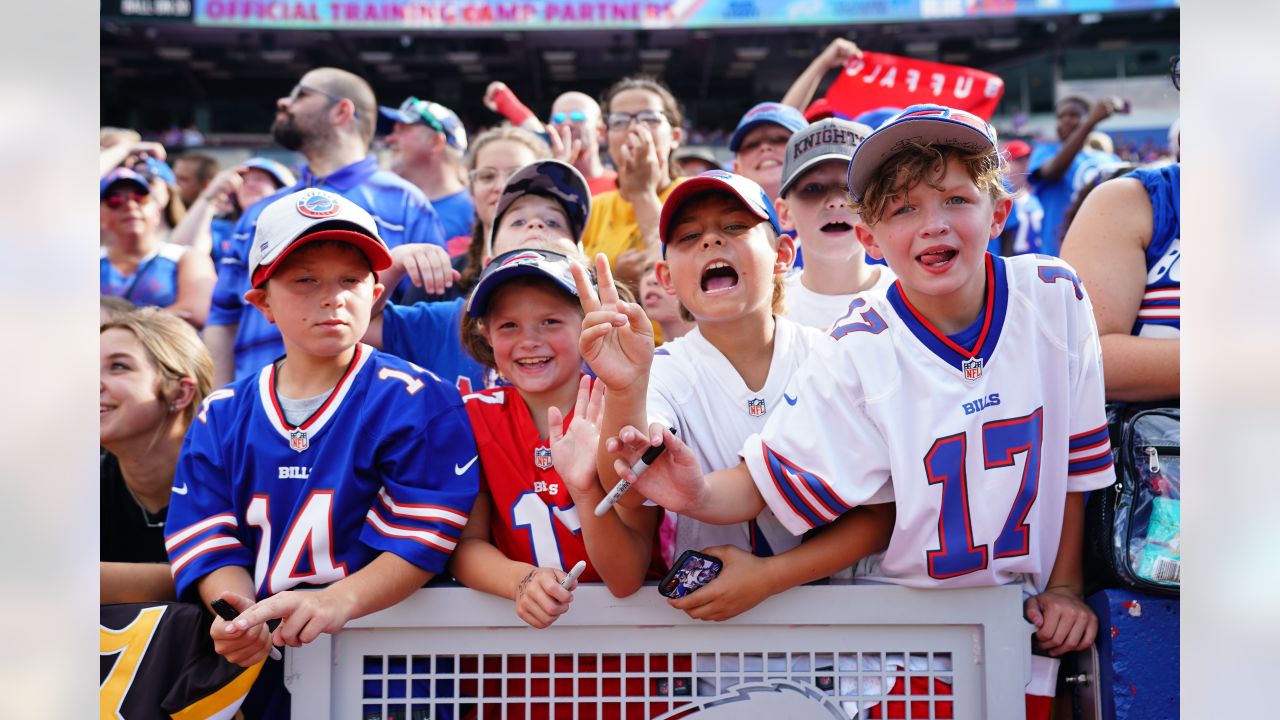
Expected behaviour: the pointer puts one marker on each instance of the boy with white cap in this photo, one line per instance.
(336, 466)
(970, 395)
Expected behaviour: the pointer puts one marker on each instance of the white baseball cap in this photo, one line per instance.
(296, 219)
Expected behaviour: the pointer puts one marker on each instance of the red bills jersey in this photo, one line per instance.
(534, 518)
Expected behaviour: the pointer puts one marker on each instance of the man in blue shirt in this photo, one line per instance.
(329, 117)
(1057, 169)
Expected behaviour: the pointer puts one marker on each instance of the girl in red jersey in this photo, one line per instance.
(534, 519)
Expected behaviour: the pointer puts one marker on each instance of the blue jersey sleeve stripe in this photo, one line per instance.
(1085, 467)
(191, 531)
(217, 542)
(423, 513)
(429, 538)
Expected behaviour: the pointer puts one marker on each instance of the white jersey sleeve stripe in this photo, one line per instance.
(423, 512)
(217, 542)
(190, 531)
(807, 494)
(426, 537)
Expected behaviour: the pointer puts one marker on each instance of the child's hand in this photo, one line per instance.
(540, 600)
(573, 453)
(244, 648)
(739, 587)
(617, 338)
(428, 266)
(673, 481)
(303, 615)
(1064, 622)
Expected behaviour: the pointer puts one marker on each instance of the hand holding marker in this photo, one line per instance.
(228, 613)
(650, 457)
(573, 574)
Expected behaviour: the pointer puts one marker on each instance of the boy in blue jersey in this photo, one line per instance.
(336, 466)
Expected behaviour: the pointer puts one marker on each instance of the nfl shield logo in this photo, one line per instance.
(542, 458)
(755, 406)
(972, 368)
(298, 439)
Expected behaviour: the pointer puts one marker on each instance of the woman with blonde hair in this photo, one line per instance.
(154, 374)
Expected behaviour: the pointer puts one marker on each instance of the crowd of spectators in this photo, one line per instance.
(185, 313)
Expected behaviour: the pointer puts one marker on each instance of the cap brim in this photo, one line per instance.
(387, 119)
(698, 185)
(806, 166)
(878, 146)
(377, 254)
(478, 302)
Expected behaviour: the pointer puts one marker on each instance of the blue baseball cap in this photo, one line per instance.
(934, 124)
(424, 112)
(283, 176)
(122, 175)
(766, 112)
(745, 189)
(518, 263)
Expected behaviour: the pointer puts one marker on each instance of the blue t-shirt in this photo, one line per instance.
(458, 215)
(403, 215)
(221, 230)
(429, 334)
(1055, 196)
(154, 282)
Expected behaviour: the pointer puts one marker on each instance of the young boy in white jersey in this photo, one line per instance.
(725, 257)
(972, 371)
(815, 202)
(336, 467)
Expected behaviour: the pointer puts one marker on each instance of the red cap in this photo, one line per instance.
(1016, 149)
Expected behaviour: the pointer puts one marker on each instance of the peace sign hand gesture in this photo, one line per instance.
(617, 337)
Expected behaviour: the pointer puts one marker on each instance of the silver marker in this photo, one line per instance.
(573, 574)
(650, 457)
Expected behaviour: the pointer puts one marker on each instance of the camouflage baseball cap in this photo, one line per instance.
(556, 179)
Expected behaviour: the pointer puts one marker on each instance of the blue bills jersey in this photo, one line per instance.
(1160, 314)
(386, 464)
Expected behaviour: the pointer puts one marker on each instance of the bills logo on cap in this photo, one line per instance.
(318, 206)
(947, 113)
(972, 368)
(542, 458)
(298, 440)
(524, 258)
(755, 406)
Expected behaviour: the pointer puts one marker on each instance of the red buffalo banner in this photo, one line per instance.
(878, 80)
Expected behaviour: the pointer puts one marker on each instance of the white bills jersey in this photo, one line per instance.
(815, 310)
(696, 390)
(977, 446)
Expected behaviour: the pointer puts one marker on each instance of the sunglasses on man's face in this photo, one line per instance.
(119, 200)
(300, 91)
(1175, 71)
(574, 117)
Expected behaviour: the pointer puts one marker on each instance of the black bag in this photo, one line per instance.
(1133, 528)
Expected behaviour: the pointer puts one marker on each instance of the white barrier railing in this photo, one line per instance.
(831, 651)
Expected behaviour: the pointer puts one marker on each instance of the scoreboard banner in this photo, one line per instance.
(616, 14)
(878, 80)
